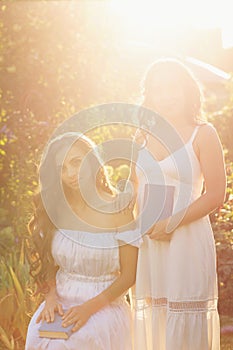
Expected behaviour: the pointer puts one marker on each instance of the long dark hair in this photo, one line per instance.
(181, 75)
(41, 227)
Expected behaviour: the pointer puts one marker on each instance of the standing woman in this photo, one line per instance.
(176, 285)
(83, 270)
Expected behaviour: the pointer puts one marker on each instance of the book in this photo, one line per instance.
(55, 329)
(158, 204)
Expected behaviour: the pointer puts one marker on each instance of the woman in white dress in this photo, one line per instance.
(176, 292)
(81, 266)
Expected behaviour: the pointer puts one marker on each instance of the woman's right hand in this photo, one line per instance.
(51, 306)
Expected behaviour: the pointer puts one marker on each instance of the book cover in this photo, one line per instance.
(158, 204)
(55, 329)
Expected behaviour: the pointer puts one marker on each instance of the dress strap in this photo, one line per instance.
(194, 133)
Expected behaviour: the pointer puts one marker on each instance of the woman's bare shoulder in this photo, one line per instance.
(206, 127)
(207, 133)
(208, 141)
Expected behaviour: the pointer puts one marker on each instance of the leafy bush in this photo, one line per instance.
(222, 223)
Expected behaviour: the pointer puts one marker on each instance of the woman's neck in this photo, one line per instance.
(180, 123)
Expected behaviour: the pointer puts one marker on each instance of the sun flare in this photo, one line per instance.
(140, 17)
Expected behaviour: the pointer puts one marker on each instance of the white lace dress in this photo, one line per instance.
(86, 269)
(176, 287)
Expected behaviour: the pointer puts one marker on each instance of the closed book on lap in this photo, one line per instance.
(55, 329)
(157, 204)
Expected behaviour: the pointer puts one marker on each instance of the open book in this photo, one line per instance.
(158, 204)
(55, 329)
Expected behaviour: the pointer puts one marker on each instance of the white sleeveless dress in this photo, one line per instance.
(175, 297)
(86, 269)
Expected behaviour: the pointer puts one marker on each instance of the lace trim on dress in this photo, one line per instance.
(140, 304)
(177, 306)
(203, 305)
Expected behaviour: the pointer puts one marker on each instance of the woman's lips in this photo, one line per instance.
(74, 182)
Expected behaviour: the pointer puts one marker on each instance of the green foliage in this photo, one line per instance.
(223, 121)
(222, 219)
(16, 296)
(222, 223)
(7, 240)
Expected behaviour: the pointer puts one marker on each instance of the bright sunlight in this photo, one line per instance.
(141, 17)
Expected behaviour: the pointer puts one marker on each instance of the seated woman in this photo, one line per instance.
(85, 267)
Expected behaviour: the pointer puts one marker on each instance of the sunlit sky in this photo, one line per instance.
(179, 14)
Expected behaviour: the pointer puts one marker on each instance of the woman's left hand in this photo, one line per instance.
(78, 315)
(159, 231)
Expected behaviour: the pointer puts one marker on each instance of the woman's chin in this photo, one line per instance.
(74, 187)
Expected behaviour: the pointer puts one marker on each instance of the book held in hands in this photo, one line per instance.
(55, 329)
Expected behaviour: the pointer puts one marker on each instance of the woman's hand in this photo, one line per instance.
(159, 231)
(125, 202)
(51, 305)
(78, 315)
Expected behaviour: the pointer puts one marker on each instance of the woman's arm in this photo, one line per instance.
(213, 168)
(128, 262)
(51, 288)
(51, 303)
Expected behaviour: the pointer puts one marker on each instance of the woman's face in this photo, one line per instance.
(71, 174)
(167, 96)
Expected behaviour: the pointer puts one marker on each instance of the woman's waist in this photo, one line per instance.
(74, 288)
(86, 278)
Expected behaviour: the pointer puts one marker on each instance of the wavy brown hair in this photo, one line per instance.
(41, 228)
(181, 75)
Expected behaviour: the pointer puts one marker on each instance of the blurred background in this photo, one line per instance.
(59, 57)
